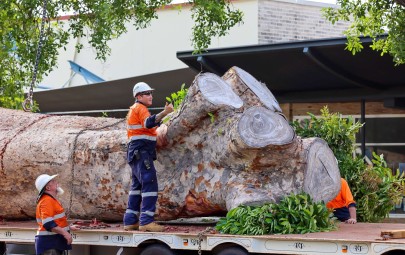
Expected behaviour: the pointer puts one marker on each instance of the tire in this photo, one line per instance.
(232, 251)
(2, 248)
(157, 249)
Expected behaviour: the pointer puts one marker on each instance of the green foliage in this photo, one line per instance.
(98, 20)
(212, 117)
(373, 18)
(375, 188)
(212, 18)
(338, 132)
(295, 214)
(177, 98)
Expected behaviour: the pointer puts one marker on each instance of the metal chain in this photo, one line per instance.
(28, 103)
(72, 156)
(200, 238)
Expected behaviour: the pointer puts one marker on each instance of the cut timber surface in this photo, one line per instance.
(227, 144)
(393, 233)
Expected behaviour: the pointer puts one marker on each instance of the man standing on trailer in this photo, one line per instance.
(141, 130)
(53, 236)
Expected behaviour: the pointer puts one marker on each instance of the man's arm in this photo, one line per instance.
(353, 215)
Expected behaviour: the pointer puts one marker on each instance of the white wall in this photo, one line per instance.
(150, 50)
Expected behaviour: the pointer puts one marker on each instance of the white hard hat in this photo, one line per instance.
(141, 87)
(43, 180)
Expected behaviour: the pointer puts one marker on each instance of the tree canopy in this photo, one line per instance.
(99, 20)
(381, 20)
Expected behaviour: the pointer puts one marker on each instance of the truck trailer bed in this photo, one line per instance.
(360, 238)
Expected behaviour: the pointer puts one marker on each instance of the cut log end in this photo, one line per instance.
(322, 176)
(217, 91)
(260, 89)
(259, 127)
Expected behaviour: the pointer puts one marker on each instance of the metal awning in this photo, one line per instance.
(111, 95)
(304, 71)
(311, 71)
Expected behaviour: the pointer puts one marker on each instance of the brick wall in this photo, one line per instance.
(295, 20)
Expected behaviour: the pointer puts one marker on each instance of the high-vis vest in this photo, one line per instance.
(343, 199)
(49, 209)
(136, 123)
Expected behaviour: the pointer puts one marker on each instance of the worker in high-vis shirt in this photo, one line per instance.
(53, 237)
(343, 205)
(141, 131)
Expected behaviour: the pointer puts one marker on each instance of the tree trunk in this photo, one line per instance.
(227, 145)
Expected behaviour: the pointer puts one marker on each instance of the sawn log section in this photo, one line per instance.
(228, 144)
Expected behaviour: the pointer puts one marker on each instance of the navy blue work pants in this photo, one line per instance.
(144, 191)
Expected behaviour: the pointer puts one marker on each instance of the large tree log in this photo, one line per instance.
(227, 145)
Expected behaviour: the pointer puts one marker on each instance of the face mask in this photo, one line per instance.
(59, 191)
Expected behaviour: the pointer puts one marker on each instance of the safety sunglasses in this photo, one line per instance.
(147, 93)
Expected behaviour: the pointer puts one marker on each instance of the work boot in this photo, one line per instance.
(151, 227)
(131, 227)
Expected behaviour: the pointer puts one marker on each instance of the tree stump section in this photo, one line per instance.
(227, 145)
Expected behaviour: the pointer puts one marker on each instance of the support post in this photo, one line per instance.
(363, 128)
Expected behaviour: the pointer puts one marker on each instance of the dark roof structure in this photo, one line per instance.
(311, 71)
(111, 96)
(304, 71)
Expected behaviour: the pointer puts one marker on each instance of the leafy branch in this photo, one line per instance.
(372, 18)
(295, 214)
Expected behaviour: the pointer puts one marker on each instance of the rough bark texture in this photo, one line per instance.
(227, 145)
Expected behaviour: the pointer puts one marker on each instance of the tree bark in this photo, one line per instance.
(227, 145)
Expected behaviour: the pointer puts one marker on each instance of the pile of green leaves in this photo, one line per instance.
(295, 214)
(375, 188)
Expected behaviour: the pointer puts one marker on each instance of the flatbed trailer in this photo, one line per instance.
(360, 238)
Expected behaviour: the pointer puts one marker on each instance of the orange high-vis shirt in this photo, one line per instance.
(49, 209)
(343, 199)
(137, 115)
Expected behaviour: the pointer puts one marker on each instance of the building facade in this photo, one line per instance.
(153, 50)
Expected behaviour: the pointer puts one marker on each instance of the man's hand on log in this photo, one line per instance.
(161, 140)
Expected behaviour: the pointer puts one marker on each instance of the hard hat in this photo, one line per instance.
(141, 87)
(43, 180)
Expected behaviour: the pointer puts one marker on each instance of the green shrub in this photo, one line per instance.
(295, 214)
(338, 132)
(375, 188)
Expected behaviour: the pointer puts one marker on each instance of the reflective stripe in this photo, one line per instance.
(134, 192)
(134, 126)
(60, 215)
(149, 213)
(48, 233)
(49, 219)
(132, 211)
(144, 123)
(149, 194)
(147, 137)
